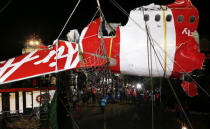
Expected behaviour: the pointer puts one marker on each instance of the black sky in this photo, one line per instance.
(22, 18)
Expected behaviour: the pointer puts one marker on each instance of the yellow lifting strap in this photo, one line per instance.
(165, 42)
(110, 48)
(82, 58)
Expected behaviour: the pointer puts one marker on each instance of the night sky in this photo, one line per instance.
(22, 18)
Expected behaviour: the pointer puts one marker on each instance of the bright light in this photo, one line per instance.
(37, 42)
(138, 86)
(31, 42)
(184, 127)
(34, 43)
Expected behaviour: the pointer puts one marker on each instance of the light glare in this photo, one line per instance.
(184, 127)
(138, 86)
(31, 43)
(37, 42)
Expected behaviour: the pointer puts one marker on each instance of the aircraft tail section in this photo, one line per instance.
(40, 62)
(67, 56)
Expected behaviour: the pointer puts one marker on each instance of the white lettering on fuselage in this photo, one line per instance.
(6, 70)
(187, 32)
(60, 55)
(15, 66)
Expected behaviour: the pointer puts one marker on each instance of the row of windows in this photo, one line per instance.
(180, 18)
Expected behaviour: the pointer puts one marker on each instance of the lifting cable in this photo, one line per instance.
(170, 58)
(123, 11)
(174, 92)
(101, 33)
(69, 112)
(178, 100)
(126, 13)
(176, 96)
(5, 6)
(105, 52)
(149, 56)
(57, 42)
(113, 31)
(80, 51)
(68, 19)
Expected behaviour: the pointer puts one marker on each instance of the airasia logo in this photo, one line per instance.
(67, 52)
(187, 32)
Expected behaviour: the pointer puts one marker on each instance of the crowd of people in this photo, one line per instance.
(120, 95)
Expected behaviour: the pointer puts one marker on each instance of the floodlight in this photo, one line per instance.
(139, 86)
(37, 42)
(31, 42)
(184, 127)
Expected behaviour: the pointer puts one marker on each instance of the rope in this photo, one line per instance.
(170, 58)
(5, 6)
(164, 22)
(102, 15)
(149, 55)
(94, 15)
(179, 102)
(73, 120)
(80, 51)
(164, 70)
(101, 33)
(107, 70)
(57, 42)
(126, 13)
(68, 19)
(177, 98)
(122, 10)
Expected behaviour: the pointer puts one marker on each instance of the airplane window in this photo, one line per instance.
(180, 18)
(146, 17)
(168, 18)
(192, 19)
(157, 17)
